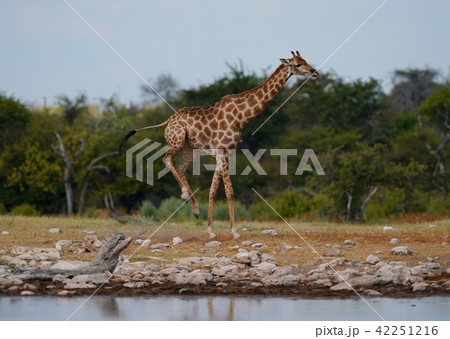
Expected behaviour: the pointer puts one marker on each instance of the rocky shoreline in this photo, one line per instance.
(248, 272)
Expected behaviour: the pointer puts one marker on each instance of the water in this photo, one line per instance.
(222, 308)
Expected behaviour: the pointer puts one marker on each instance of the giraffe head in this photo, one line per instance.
(297, 65)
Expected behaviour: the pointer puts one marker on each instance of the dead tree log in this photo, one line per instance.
(106, 260)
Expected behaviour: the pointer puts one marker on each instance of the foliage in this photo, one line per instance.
(147, 209)
(367, 140)
(25, 210)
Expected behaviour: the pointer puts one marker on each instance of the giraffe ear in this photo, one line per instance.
(284, 61)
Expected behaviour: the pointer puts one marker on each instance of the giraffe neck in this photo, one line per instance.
(259, 97)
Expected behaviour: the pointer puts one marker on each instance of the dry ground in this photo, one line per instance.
(420, 238)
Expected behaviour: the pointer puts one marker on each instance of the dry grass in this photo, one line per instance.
(422, 240)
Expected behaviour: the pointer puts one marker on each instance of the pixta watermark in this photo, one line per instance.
(144, 154)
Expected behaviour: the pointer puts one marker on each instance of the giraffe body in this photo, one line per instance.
(216, 129)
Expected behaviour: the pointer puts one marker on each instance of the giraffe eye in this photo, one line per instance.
(297, 65)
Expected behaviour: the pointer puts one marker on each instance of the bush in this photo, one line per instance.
(3, 209)
(26, 210)
(92, 212)
(147, 209)
(169, 206)
(221, 211)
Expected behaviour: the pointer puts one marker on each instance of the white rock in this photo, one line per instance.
(139, 241)
(419, 286)
(247, 243)
(69, 265)
(259, 245)
(159, 246)
(263, 269)
(147, 242)
(273, 232)
(224, 270)
(242, 258)
(26, 293)
(349, 243)
(372, 259)
(213, 244)
(401, 250)
(177, 240)
(268, 258)
(343, 286)
(373, 293)
(285, 246)
(394, 241)
(242, 250)
(432, 226)
(55, 230)
(8, 260)
(388, 228)
(5, 233)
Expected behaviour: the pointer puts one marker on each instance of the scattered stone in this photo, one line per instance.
(86, 232)
(433, 266)
(432, 226)
(321, 283)
(268, 258)
(63, 293)
(76, 286)
(213, 244)
(159, 246)
(10, 281)
(243, 250)
(8, 260)
(419, 286)
(55, 230)
(263, 269)
(92, 243)
(372, 259)
(245, 229)
(401, 250)
(222, 271)
(388, 228)
(372, 293)
(177, 240)
(394, 241)
(343, 286)
(285, 246)
(273, 232)
(247, 243)
(349, 243)
(135, 284)
(444, 243)
(378, 252)
(332, 252)
(242, 258)
(58, 278)
(157, 258)
(259, 245)
(206, 250)
(146, 243)
(156, 250)
(354, 263)
(138, 242)
(5, 233)
(26, 293)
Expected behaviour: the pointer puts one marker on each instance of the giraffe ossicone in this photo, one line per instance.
(218, 127)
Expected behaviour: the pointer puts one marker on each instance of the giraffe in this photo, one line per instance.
(216, 129)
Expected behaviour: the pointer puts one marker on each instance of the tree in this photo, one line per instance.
(165, 85)
(14, 118)
(72, 109)
(435, 111)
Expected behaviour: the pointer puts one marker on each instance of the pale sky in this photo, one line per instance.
(46, 49)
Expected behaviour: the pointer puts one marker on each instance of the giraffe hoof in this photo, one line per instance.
(195, 214)
(236, 236)
(212, 235)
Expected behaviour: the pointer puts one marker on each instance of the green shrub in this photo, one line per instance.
(221, 211)
(147, 209)
(3, 209)
(169, 206)
(25, 210)
(438, 205)
(92, 212)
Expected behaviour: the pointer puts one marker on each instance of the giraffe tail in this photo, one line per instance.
(133, 132)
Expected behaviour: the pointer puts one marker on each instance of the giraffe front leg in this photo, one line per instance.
(212, 194)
